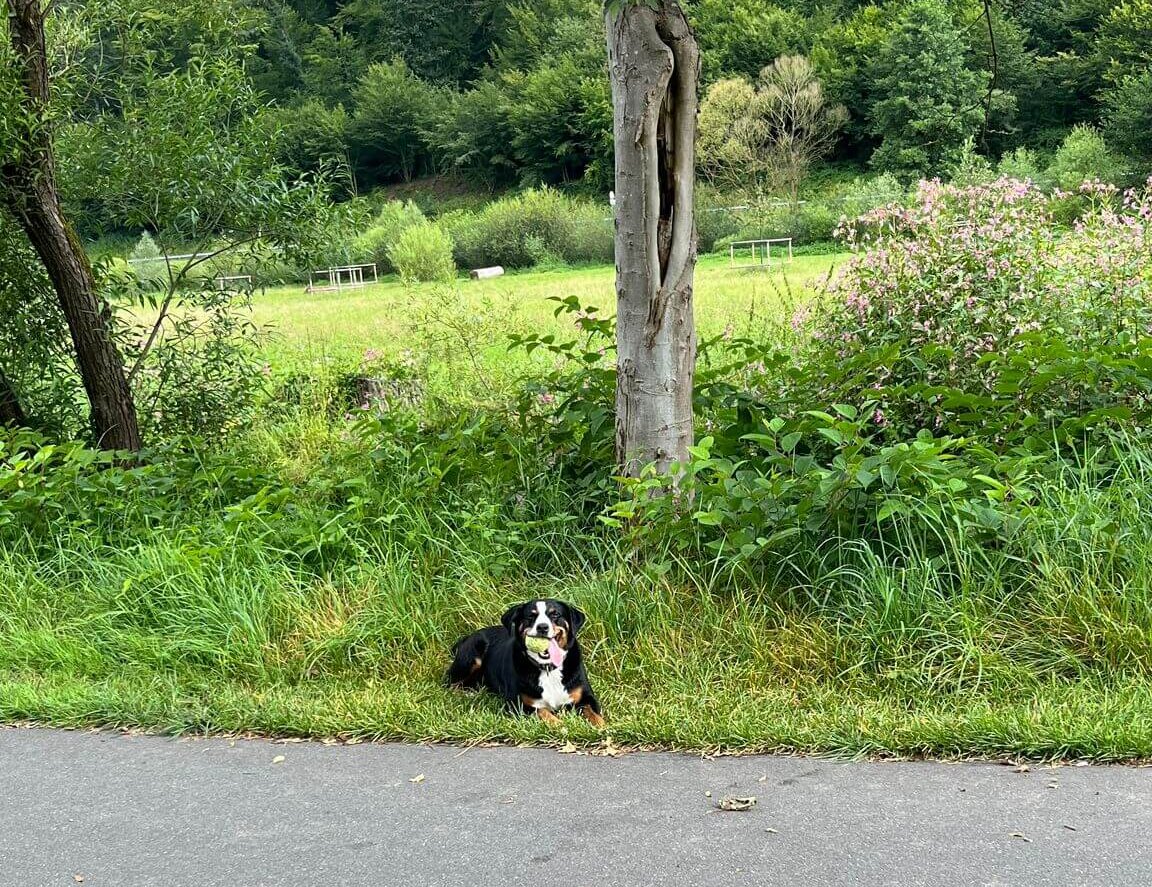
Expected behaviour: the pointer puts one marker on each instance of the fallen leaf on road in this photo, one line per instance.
(1022, 837)
(79, 879)
(1021, 768)
(771, 831)
(1071, 828)
(279, 759)
(418, 778)
(569, 748)
(733, 804)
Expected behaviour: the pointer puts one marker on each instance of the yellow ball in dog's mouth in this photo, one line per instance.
(537, 645)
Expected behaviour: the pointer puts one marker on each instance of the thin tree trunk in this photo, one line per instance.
(654, 65)
(31, 194)
(11, 413)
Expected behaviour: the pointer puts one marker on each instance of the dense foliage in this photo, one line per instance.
(925, 498)
(505, 93)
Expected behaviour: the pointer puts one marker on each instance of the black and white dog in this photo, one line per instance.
(532, 661)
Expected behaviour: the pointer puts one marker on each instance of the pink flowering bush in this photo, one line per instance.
(974, 304)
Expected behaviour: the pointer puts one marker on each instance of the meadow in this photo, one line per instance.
(918, 516)
(391, 317)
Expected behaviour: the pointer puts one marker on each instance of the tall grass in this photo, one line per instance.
(196, 621)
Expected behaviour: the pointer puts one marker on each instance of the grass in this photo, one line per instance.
(161, 635)
(381, 317)
(310, 580)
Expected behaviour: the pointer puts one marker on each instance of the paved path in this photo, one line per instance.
(120, 810)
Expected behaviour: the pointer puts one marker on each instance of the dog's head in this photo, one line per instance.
(545, 618)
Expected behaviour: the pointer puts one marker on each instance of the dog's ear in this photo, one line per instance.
(509, 619)
(575, 618)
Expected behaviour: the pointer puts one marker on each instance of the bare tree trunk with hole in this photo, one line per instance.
(11, 413)
(29, 185)
(654, 65)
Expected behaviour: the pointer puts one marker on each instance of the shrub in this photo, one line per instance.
(974, 311)
(1129, 115)
(1022, 165)
(423, 253)
(539, 226)
(715, 219)
(864, 195)
(392, 220)
(1085, 156)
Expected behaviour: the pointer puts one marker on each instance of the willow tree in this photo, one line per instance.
(654, 66)
(30, 191)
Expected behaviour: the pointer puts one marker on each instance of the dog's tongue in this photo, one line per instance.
(555, 653)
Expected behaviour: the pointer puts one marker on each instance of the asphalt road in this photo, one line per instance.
(137, 810)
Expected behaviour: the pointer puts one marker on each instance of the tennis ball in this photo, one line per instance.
(537, 645)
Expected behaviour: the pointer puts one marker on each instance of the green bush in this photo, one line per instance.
(423, 253)
(1024, 166)
(1129, 115)
(393, 219)
(539, 226)
(975, 312)
(715, 218)
(1084, 156)
(866, 194)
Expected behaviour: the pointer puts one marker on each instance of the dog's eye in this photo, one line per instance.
(554, 614)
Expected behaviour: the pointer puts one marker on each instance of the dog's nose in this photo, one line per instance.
(542, 630)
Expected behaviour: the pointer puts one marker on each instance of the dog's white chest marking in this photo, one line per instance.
(552, 692)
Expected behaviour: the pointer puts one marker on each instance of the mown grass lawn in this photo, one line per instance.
(380, 317)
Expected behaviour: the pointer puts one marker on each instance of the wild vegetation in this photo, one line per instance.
(914, 517)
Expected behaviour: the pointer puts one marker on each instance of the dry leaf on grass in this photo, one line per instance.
(733, 804)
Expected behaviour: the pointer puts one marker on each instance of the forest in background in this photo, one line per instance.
(500, 94)
(514, 92)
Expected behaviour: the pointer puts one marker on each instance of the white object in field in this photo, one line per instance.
(485, 273)
(761, 258)
(347, 277)
(611, 198)
(227, 283)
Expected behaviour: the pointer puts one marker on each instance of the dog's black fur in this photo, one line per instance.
(497, 659)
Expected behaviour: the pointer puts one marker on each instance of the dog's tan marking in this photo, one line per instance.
(547, 716)
(576, 695)
(592, 717)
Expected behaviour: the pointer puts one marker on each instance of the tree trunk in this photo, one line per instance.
(30, 191)
(11, 413)
(654, 66)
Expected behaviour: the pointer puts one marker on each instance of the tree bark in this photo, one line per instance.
(654, 65)
(30, 191)
(11, 412)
